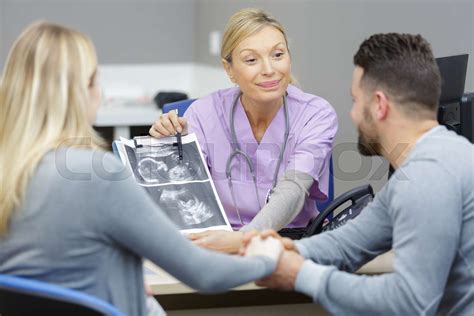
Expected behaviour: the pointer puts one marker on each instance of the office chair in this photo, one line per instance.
(181, 106)
(21, 296)
(322, 205)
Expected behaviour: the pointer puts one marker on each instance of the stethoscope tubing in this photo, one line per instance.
(238, 151)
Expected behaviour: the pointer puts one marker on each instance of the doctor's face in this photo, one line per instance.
(369, 140)
(261, 66)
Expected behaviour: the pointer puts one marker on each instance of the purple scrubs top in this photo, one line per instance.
(313, 126)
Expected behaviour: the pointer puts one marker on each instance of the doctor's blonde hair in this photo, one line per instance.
(245, 23)
(44, 96)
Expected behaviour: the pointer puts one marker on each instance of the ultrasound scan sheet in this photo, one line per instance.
(183, 189)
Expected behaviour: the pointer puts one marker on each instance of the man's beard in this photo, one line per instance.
(368, 142)
(368, 146)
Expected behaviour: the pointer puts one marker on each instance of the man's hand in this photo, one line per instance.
(218, 240)
(288, 244)
(284, 276)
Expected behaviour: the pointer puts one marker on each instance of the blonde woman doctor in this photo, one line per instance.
(267, 143)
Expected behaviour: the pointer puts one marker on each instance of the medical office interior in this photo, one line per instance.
(150, 46)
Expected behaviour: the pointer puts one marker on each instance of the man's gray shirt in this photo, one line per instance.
(426, 214)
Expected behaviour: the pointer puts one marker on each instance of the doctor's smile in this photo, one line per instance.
(269, 84)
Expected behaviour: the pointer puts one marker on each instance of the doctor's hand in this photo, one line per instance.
(284, 276)
(288, 244)
(169, 124)
(218, 240)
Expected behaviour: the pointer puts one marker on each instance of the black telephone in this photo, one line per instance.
(359, 198)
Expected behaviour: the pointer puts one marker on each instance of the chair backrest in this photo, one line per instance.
(322, 205)
(181, 106)
(359, 198)
(21, 296)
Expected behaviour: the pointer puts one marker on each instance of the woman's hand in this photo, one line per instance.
(287, 243)
(219, 240)
(169, 124)
(269, 247)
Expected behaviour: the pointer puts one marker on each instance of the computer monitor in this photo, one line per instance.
(453, 71)
(467, 116)
(453, 111)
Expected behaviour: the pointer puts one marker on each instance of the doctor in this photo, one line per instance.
(266, 142)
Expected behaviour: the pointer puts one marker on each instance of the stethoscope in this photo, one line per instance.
(238, 151)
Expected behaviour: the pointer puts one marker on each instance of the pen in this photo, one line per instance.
(180, 146)
(180, 143)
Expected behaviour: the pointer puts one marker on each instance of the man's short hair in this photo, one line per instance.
(403, 66)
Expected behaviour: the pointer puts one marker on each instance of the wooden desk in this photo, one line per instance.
(249, 299)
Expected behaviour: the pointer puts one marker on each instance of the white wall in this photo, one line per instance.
(124, 31)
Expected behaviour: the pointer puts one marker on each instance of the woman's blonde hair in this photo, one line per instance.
(245, 23)
(44, 101)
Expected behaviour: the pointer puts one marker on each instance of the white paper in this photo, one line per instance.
(184, 190)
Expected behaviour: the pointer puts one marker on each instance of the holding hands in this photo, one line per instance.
(284, 276)
(289, 260)
(269, 247)
(287, 243)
